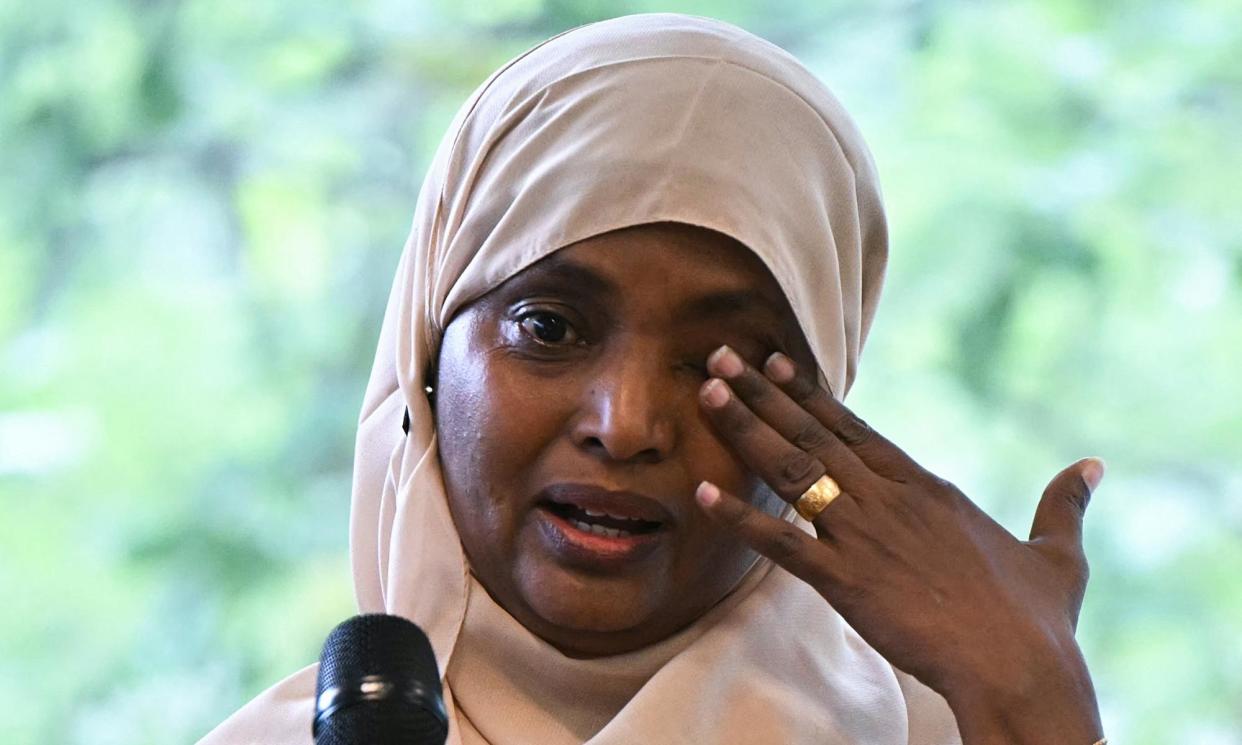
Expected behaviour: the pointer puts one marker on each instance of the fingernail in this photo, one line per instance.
(779, 368)
(715, 393)
(726, 362)
(707, 493)
(1093, 472)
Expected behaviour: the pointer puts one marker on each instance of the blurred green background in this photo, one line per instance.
(202, 204)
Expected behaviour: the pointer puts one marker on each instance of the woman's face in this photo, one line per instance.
(572, 440)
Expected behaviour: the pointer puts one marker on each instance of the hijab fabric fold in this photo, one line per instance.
(640, 119)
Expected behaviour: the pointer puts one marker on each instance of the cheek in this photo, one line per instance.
(716, 556)
(713, 460)
(492, 430)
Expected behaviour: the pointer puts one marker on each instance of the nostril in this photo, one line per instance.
(621, 453)
(625, 433)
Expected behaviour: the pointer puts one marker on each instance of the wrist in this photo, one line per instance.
(1042, 695)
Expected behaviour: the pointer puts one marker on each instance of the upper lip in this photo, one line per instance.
(624, 504)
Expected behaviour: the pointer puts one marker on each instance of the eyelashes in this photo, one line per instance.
(537, 324)
(699, 369)
(551, 332)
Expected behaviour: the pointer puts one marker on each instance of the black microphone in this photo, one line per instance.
(378, 685)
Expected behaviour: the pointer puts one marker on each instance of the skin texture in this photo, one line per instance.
(630, 391)
(610, 398)
(931, 582)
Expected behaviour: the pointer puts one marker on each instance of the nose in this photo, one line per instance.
(628, 413)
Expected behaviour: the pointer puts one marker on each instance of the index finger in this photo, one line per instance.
(872, 448)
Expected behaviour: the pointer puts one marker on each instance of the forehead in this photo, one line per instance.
(670, 263)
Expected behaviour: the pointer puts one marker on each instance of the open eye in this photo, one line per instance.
(548, 328)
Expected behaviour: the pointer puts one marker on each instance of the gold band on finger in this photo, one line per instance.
(816, 499)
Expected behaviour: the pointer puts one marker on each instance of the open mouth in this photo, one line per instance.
(602, 530)
(601, 523)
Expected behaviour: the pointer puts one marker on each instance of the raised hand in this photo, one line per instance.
(931, 582)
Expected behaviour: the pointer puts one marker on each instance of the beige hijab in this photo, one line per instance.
(635, 120)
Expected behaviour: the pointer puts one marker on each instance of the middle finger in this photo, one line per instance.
(783, 442)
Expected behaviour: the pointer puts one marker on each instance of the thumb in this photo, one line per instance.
(1058, 518)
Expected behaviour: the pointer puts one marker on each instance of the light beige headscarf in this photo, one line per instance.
(635, 120)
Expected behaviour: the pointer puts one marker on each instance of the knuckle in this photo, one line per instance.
(812, 436)
(737, 418)
(852, 430)
(1079, 495)
(785, 544)
(1068, 559)
(1077, 574)
(1075, 558)
(802, 389)
(851, 594)
(796, 467)
(904, 513)
(736, 516)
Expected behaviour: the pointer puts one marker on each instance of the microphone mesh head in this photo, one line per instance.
(393, 652)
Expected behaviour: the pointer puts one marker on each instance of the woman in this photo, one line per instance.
(640, 275)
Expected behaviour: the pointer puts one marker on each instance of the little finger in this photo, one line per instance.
(784, 543)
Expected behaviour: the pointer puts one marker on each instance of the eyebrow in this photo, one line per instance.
(566, 274)
(727, 303)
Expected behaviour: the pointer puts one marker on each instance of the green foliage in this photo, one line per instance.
(177, 406)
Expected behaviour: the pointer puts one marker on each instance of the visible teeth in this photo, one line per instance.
(599, 529)
(593, 513)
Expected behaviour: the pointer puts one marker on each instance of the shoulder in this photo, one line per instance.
(281, 715)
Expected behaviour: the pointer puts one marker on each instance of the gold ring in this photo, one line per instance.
(816, 499)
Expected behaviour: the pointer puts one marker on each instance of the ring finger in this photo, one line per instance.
(751, 393)
(786, 468)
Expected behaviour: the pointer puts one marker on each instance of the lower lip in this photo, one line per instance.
(586, 548)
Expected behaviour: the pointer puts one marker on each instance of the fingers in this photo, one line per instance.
(1058, 518)
(872, 448)
(786, 446)
(773, 424)
(784, 543)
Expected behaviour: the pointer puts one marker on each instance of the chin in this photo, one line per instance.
(570, 602)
